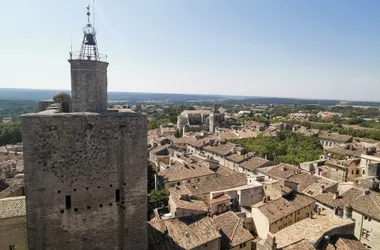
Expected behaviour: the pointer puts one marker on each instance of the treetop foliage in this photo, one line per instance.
(10, 132)
(287, 147)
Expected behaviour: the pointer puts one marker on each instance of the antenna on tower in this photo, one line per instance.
(93, 13)
(88, 15)
(71, 49)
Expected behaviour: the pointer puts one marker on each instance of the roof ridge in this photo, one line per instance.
(377, 205)
(235, 229)
(344, 243)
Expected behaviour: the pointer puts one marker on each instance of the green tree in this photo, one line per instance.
(10, 132)
(157, 198)
(287, 147)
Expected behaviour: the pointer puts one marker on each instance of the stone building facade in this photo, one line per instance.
(200, 120)
(86, 171)
(13, 224)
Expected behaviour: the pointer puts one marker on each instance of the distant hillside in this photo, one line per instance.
(133, 97)
(36, 95)
(279, 100)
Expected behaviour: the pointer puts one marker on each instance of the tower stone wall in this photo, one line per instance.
(89, 85)
(85, 180)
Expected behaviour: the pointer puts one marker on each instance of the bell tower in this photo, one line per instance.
(89, 73)
(85, 168)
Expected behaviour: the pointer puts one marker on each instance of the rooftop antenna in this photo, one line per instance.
(88, 14)
(71, 49)
(93, 13)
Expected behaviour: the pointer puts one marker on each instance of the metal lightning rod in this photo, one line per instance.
(93, 13)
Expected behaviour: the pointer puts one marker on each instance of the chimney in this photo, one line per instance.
(366, 192)
(347, 211)
(319, 210)
(265, 199)
(233, 150)
(336, 195)
(328, 156)
(327, 239)
(375, 185)
(184, 197)
(323, 189)
(271, 241)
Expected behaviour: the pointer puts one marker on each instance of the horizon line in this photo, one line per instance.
(220, 95)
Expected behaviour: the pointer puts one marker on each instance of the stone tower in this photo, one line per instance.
(85, 168)
(212, 118)
(89, 74)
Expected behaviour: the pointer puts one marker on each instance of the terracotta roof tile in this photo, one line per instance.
(304, 180)
(349, 243)
(311, 229)
(219, 199)
(176, 195)
(299, 245)
(282, 207)
(12, 207)
(237, 158)
(219, 182)
(253, 124)
(368, 204)
(256, 162)
(180, 171)
(221, 149)
(282, 171)
(228, 135)
(158, 149)
(323, 135)
(243, 134)
(197, 111)
(342, 151)
(232, 227)
(345, 198)
(184, 234)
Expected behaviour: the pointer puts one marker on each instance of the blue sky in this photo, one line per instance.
(285, 48)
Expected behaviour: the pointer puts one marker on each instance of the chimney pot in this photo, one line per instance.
(336, 195)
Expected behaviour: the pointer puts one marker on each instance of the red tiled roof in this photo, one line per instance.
(219, 199)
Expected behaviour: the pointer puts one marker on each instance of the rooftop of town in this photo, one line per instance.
(310, 229)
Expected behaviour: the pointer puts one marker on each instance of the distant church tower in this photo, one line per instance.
(85, 168)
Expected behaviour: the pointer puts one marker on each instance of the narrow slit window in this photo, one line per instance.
(117, 195)
(68, 201)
